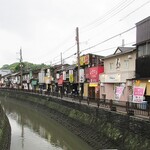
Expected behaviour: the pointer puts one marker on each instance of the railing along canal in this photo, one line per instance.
(126, 107)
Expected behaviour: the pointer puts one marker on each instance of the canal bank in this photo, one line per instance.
(31, 129)
(99, 128)
(5, 131)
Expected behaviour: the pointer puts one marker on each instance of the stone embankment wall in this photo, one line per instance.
(5, 131)
(101, 129)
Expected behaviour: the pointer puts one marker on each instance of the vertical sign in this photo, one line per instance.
(81, 76)
(64, 75)
(119, 90)
(71, 76)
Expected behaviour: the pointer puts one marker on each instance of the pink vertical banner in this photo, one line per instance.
(138, 93)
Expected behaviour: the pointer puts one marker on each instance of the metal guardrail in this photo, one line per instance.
(130, 108)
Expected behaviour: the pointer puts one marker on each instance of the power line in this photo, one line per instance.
(103, 16)
(134, 11)
(98, 43)
(62, 53)
(108, 39)
(65, 58)
(69, 48)
(111, 14)
(111, 48)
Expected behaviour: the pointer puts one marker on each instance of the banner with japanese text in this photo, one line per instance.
(119, 91)
(138, 93)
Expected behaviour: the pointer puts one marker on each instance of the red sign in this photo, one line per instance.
(94, 73)
(60, 80)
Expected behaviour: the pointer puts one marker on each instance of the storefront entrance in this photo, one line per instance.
(91, 92)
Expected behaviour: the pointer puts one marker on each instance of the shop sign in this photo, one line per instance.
(118, 93)
(138, 93)
(64, 75)
(57, 75)
(30, 75)
(34, 82)
(60, 81)
(94, 73)
(47, 80)
(93, 84)
(81, 76)
(112, 78)
(84, 60)
(71, 76)
(41, 77)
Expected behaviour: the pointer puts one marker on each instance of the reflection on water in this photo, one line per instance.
(32, 130)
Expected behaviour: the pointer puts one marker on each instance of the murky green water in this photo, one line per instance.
(32, 130)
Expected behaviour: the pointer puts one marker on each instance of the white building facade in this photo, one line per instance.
(119, 70)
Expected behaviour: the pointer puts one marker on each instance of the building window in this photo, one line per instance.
(118, 63)
(144, 50)
(126, 64)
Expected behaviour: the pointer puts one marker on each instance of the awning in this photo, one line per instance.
(93, 84)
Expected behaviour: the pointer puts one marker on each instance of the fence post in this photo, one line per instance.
(110, 104)
(88, 100)
(98, 102)
(80, 99)
(148, 109)
(127, 107)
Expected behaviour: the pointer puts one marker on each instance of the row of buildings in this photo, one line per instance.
(124, 75)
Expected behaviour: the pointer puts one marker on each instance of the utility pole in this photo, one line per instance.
(21, 67)
(78, 57)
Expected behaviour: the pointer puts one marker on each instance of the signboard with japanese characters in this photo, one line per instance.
(81, 76)
(64, 75)
(118, 92)
(60, 80)
(138, 93)
(71, 76)
(94, 73)
(84, 60)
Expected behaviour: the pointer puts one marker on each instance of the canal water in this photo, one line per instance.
(33, 130)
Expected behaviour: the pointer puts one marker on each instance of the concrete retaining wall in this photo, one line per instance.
(99, 128)
(5, 131)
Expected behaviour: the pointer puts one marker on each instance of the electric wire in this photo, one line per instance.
(98, 43)
(110, 15)
(134, 11)
(65, 58)
(111, 48)
(108, 39)
(69, 48)
(107, 13)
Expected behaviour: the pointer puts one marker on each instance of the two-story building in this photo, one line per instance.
(91, 66)
(141, 89)
(119, 70)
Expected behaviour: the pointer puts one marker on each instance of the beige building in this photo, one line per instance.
(119, 70)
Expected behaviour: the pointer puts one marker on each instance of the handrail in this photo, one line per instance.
(130, 108)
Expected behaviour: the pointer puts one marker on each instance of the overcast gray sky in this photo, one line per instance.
(45, 28)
